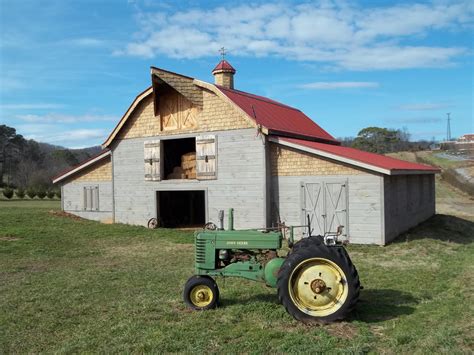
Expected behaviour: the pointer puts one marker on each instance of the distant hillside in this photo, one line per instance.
(25, 163)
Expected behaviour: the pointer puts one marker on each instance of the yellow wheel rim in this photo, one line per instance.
(318, 287)
(201, 295)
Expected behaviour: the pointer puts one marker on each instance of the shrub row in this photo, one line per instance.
(31, 192)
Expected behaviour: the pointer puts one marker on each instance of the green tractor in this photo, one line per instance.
(316, 281)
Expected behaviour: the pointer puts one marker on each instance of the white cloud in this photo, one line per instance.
(60, 135)
(62, 118)
(330, 85)
(35, 106)
(336, 33)
(421, 120)
(87, 42)
(424, 106)
(76, 135)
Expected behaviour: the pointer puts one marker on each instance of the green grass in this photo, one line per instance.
(69, 285)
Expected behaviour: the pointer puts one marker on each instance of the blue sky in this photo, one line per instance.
(70, 69)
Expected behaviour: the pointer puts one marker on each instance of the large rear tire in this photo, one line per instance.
(317, 283)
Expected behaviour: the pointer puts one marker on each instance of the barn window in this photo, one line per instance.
(91, 198)
(422, 190)
(179, 158)
(410, 192)
(190, 158)
(431, 187)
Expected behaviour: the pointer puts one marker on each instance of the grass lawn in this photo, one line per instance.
(71, 285)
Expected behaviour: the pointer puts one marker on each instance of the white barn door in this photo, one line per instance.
(326, 204)
(313, 206)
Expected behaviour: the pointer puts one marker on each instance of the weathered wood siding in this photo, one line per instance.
(72, 196)
(240, 180)
(290, 168)
(364, 201)
(409, 200)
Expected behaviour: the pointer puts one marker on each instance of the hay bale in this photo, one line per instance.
(173, 176)
(189, 164)
(178, 170)
(188, 157)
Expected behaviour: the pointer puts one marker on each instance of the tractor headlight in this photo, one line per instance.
(223, 254)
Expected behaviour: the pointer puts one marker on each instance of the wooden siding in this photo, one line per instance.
(240, 180)
(287, 161)
(409, 200)
(364, 196)
(100, 171)
(215, 115)
(73, 200)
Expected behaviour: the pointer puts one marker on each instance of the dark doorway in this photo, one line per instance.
(181, 208)
(179, 158)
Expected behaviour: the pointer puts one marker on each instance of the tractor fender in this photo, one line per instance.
(271, 271)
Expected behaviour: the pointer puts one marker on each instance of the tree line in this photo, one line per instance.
(28, 166)
(385, 140)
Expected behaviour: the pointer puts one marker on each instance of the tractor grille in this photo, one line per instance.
(200, 251)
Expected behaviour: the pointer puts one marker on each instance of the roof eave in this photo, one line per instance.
(272, 132)
(353, 161)
(124, 118)
(83, 165)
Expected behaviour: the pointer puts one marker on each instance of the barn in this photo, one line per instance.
(186, 149)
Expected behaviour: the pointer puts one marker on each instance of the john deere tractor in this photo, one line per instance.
(316, 281)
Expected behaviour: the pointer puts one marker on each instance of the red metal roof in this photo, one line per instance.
(276, 116)
(377, 160)
(225, 66)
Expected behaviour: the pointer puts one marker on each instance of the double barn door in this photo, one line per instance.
(326, 204)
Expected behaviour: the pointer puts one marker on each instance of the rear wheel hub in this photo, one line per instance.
(318, 287)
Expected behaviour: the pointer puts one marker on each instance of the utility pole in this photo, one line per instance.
(448, 130)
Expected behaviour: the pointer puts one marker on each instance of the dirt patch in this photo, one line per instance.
(342, 330)
(9, 237)
(64, 214)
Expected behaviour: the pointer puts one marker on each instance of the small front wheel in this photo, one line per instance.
(201, 293)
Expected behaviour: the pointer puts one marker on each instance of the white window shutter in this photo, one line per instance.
(84, 199)
(206, 157)
(152, 160)
(89, 199)
(96, 198)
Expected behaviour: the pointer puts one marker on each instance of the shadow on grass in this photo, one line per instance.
(441, 227)
(374, 306)
(261, 297)
(379, 305)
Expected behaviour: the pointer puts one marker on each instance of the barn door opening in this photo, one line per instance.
(326, 204)
(181, 209)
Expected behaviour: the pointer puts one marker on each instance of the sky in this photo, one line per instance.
(70, 69)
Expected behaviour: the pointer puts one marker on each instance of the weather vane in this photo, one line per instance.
(223, 52)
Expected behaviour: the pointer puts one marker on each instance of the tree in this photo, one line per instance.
(8, 192)
(20, 193)
(379, 140)
(31, 192)
(41, 193)
(11, 144)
